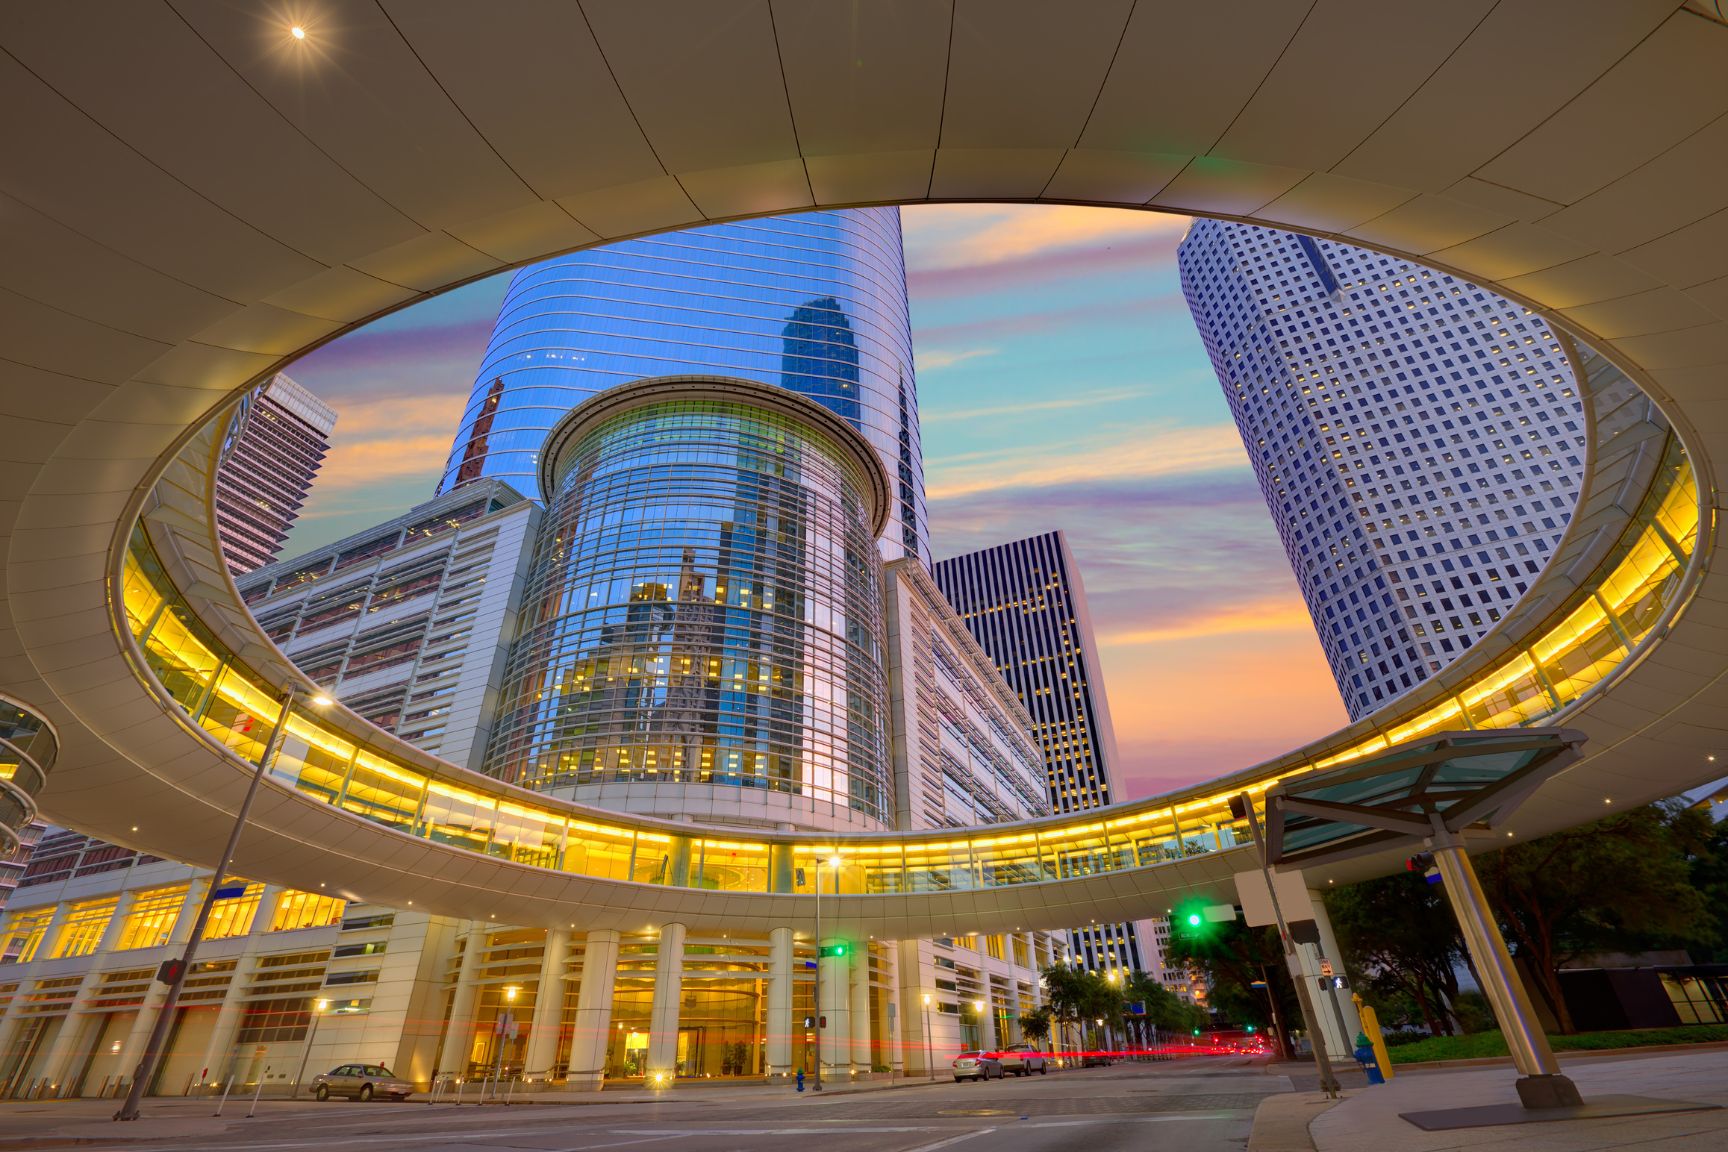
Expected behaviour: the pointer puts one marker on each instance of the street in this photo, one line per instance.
(1204, 1103)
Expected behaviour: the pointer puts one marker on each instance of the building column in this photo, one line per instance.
(1015, 1036)
(591, 1038)
(835, 1049)
(543, 1033)
(986, 1017)
(859, 1009)
(779, 1016)
(913, 1040)
(668, 996)
(458, 1044)
(62, 1056)
(1342, 1004)
(893, 1053)
(267, 901)
(132, 1050)
(227, 1026)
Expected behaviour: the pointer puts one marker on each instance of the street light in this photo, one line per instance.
(929, 1040)
(833, 863)
(173, 973)
(318, 1008)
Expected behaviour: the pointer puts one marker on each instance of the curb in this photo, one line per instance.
(1281, 1122)
(1579, 1054)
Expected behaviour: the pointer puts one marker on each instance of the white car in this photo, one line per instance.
(977, 1066)
(1023, 1060)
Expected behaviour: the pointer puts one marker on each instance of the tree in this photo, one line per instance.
(1035, 1025)
(1623, 883)
(1401, 941)
(1065, 995)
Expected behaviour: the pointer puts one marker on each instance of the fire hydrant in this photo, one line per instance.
(1365, 1056)
(800, 1079)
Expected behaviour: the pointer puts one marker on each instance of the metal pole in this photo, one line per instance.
(1542, 1085)
(146, 1070)
(306, 1054)
(223, 1103)
(1322, 1062)
(929, 1042)
(262, 1076)
(817, 1086)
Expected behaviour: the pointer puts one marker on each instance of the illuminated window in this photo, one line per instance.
(23, 935)
(232, 916)
(84, 927)
(151, 921)
(305, 910)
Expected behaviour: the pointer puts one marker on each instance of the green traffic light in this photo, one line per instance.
(1194, 919)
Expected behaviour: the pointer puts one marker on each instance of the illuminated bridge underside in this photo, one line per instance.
(160, 254)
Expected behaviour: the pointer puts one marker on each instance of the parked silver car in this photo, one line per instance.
(360, 1082)
(977, 1066)
(1023, 1060)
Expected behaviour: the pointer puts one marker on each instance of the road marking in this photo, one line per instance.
(951, 1140)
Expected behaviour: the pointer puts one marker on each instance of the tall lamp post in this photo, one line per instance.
(173, 972)
(929, 1041)
(833, 863)
(318, 1008)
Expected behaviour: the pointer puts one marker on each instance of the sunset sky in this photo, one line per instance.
(1061, 385)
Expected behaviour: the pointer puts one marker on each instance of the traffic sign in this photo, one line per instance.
(1325, 967)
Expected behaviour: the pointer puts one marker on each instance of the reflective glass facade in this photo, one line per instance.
(704, 608)
(815, 303)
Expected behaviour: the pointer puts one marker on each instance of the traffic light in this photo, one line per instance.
(1250, 1027)
(1189, 919)
(834, 949)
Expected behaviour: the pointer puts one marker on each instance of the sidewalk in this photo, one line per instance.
(1368, 1119)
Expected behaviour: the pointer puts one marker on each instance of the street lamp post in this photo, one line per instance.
(318, 1007)
(929, 1041)
(174, 973)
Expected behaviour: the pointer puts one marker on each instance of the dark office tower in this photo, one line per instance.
(274, 448)
(815, 303)
(1026, 607)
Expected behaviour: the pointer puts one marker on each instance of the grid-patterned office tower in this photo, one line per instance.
(1418, 439)
(1026, 607)
(815, 303)
(274, 448)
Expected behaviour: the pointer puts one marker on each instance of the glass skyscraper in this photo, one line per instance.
(815, 303)
(1419, 440)
(703, 614)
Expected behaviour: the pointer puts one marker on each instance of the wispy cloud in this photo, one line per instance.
(1027, 407)
(1280, 615)
(936, 359)
(1118, 455)
(959, 250)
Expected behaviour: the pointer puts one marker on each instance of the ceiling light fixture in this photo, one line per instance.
(297, 32)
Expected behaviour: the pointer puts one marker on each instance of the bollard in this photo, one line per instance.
(223, 1103)
(459, 1083)
(510, 1092)
(263, 1076)
(103, 1093)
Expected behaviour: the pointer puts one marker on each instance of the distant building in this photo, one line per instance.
(1419, 440)
(1026, 606)
(274, 448)
(406, 623)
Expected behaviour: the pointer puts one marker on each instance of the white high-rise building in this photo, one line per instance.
(1419, 440)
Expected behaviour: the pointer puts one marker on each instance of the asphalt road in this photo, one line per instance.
(1199, 1105)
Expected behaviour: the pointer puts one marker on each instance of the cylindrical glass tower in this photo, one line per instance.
(701, 628)
(815, 303)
